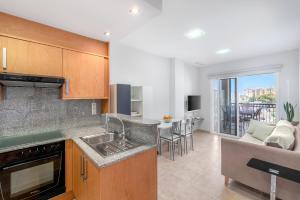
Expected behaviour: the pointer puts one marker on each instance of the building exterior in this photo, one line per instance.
(251, 94)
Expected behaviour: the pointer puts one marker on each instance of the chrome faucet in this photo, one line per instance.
(109, 119)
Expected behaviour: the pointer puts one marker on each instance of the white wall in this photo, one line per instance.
(184, 81)
(290, 72)
(191, 86)
(191, 80)
(165, 81)
(132, 66)
(177, 88)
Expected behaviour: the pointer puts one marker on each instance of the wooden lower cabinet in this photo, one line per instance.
(85, 177)
(64, 196)
(132, 179)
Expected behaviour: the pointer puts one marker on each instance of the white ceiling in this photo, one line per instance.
(248, 27)
(89, 17)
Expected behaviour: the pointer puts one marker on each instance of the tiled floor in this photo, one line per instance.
(197, 176)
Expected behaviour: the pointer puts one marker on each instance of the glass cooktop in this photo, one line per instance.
(6, 142)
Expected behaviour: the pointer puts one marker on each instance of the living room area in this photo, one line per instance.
(238, 68)
(261, 95)
(240, 145)
(201, 173)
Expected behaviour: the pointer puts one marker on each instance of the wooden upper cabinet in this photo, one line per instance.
(45, 60)
(17, 27)
(23, 57)
(16, 55)
(37, 49)
(106, 78)
(86, 76)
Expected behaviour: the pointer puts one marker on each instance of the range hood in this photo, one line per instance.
(20, 80)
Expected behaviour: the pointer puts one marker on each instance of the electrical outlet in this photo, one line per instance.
(94, 109)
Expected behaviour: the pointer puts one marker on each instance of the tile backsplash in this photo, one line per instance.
(26, 110)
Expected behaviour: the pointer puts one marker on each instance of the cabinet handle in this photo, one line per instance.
(67, 87)
(4, 58)
(81, 166)
(86, 170)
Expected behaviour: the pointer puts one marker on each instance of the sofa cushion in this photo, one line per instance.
(248, 138)
(262, 131)
(282, 136)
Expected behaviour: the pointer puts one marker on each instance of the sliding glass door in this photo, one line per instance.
(225, 95)
(238, 100)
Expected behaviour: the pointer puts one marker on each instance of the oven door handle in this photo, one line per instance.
(32, 161)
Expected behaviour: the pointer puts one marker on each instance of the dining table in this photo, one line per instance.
(167, 125)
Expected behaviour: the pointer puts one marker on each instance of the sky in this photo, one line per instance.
(256, 81)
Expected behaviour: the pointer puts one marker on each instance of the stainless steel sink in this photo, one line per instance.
(110, 144)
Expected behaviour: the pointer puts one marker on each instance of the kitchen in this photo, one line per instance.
(57, 140)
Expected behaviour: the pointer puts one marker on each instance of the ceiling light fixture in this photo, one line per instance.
(195, 33)
(223, 51)
(107, 34)
(134, 11)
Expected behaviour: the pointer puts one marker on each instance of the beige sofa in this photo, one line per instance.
(237, 152)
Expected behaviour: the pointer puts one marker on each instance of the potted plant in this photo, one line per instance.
(290, 113)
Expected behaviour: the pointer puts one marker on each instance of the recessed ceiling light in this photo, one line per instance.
(107, 34)
(134, 11)
(195, 33)
(223, 51)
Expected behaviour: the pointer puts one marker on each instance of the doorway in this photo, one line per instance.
(226, 108)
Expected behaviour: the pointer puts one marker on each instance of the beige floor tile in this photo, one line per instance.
(197, 175)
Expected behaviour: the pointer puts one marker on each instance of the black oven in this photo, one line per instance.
(33, 173)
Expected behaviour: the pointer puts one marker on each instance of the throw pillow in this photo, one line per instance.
(262, 131)
(282, 137)
(252, 125)
(285, 123)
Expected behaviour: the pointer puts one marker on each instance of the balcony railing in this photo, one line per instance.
(260, 111)
(246, 111)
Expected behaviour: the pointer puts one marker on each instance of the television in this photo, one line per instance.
(193, 102)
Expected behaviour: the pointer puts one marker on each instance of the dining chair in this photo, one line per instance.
(172, 137)
(188, 132)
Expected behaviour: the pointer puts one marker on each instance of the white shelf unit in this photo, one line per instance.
(136, 101)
